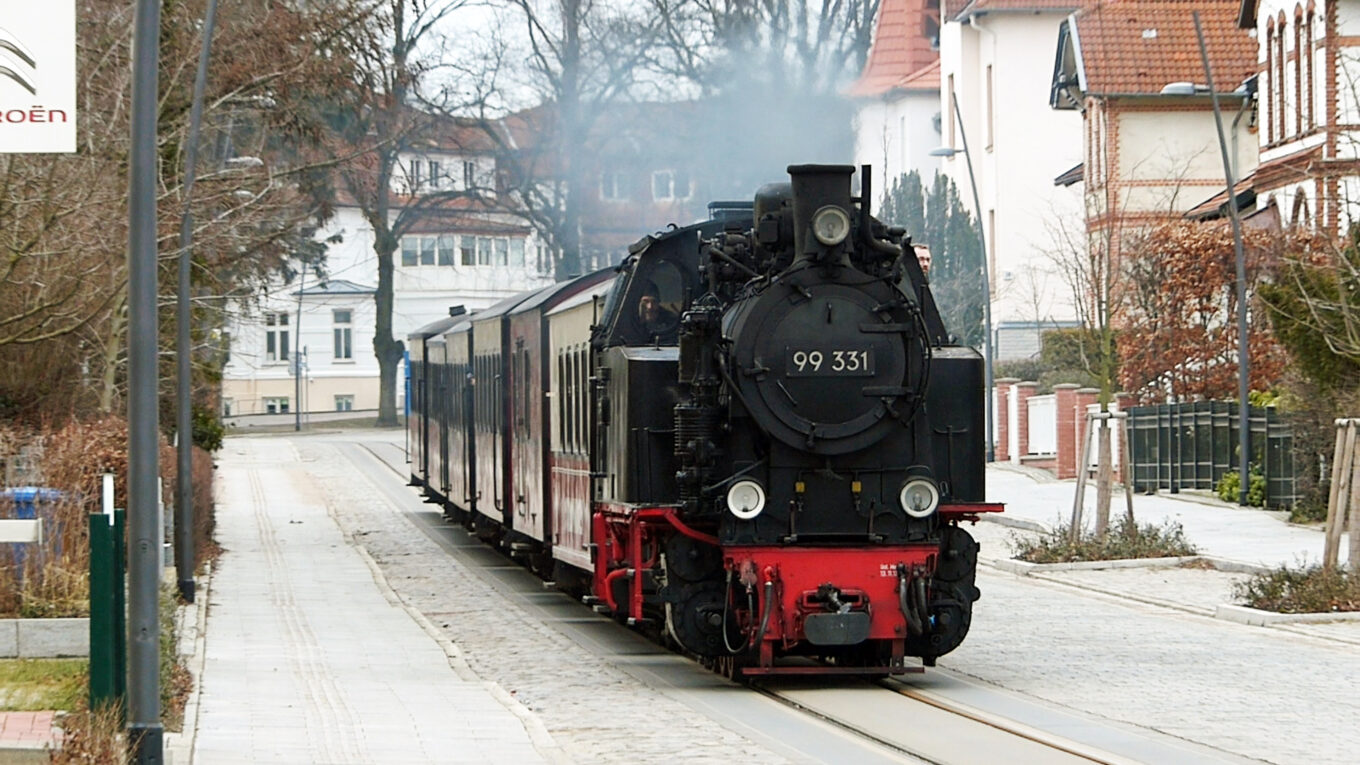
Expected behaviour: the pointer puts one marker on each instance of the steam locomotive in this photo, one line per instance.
(755, 435)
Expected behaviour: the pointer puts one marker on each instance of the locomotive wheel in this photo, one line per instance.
(730, 667)
(694, 617)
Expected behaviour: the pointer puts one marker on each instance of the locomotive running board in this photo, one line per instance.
(810, 670)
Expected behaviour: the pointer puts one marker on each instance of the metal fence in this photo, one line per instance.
(1192, 445)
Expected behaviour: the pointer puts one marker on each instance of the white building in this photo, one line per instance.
(1308, 109)
(996, 62)
(897, 97)
(458, 254)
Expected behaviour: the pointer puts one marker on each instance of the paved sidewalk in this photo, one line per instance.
(27, 736)
(1218, 529)
(310, 658)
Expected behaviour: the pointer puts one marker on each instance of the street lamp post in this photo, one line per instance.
(184, 493)
(145, 732)
(949, 151)
(1243, 358)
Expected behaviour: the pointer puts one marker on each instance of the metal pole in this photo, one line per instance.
(184, 488)
(144, 550)
(1243, 358)
(297, 356)
(986, 284)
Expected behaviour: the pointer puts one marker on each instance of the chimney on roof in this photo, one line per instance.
(457, 310)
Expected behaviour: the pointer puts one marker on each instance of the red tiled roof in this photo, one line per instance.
(966, 9)
(900, 51)
(1139, 46)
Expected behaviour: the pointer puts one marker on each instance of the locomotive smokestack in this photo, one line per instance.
(818, 231)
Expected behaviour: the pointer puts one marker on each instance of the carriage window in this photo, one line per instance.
(662, 298)
(583, 401)
(569, 399)
(527, 398)
(558, 387)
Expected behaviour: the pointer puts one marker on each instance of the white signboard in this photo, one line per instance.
(38, 77)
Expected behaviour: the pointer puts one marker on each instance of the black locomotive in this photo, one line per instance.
(766, 441)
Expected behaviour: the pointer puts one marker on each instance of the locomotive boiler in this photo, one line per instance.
(757, 437)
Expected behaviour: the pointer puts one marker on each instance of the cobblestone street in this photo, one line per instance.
(1280, 695)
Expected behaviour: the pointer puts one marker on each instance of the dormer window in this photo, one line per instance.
(469, 175)
(414, 175)
(435, 177)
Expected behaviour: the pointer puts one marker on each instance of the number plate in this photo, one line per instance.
(838, 362)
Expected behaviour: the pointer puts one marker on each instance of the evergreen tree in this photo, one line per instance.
(941, 222)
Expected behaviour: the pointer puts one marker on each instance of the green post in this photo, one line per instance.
(108, 622)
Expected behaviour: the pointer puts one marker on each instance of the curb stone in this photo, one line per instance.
(1259, 618)
(1245, 615)
(179, 746)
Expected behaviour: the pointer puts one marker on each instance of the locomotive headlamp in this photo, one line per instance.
(919, 497)
(746, 499)
(830, 225)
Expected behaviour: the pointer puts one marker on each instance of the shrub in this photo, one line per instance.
(1308, 511)
(1229, 486)
(1307, 589)
(1125, 540)
(207, 428)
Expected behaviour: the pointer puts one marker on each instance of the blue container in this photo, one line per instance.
(29, 502)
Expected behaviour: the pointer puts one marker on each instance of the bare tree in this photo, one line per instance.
(63, 217)
(382, 124)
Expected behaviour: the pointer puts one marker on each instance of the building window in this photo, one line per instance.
(427, 247)
(1309, 97)
(435, 177)
(483, 251)
(1269, 90)
(344, 403)
(611, 186)
(276, 405)
(414, 177)
(469, 174)
(991, 132)
(447, 249)
(949, 107)
(344, 333)
(410, 246)
(468, 249)
(1279, 74)
(517, 253)
(663, 185)
(276, 336)
(502, 251)
(1298, 76)
(226, 406)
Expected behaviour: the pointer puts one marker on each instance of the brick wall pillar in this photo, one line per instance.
(1065, 396)
(1086, 398)
(1003, 419)
(1022, 393)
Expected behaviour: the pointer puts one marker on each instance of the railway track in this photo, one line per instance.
(924, 718)
(941, 730)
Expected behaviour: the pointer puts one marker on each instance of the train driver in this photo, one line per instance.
(655, 316)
